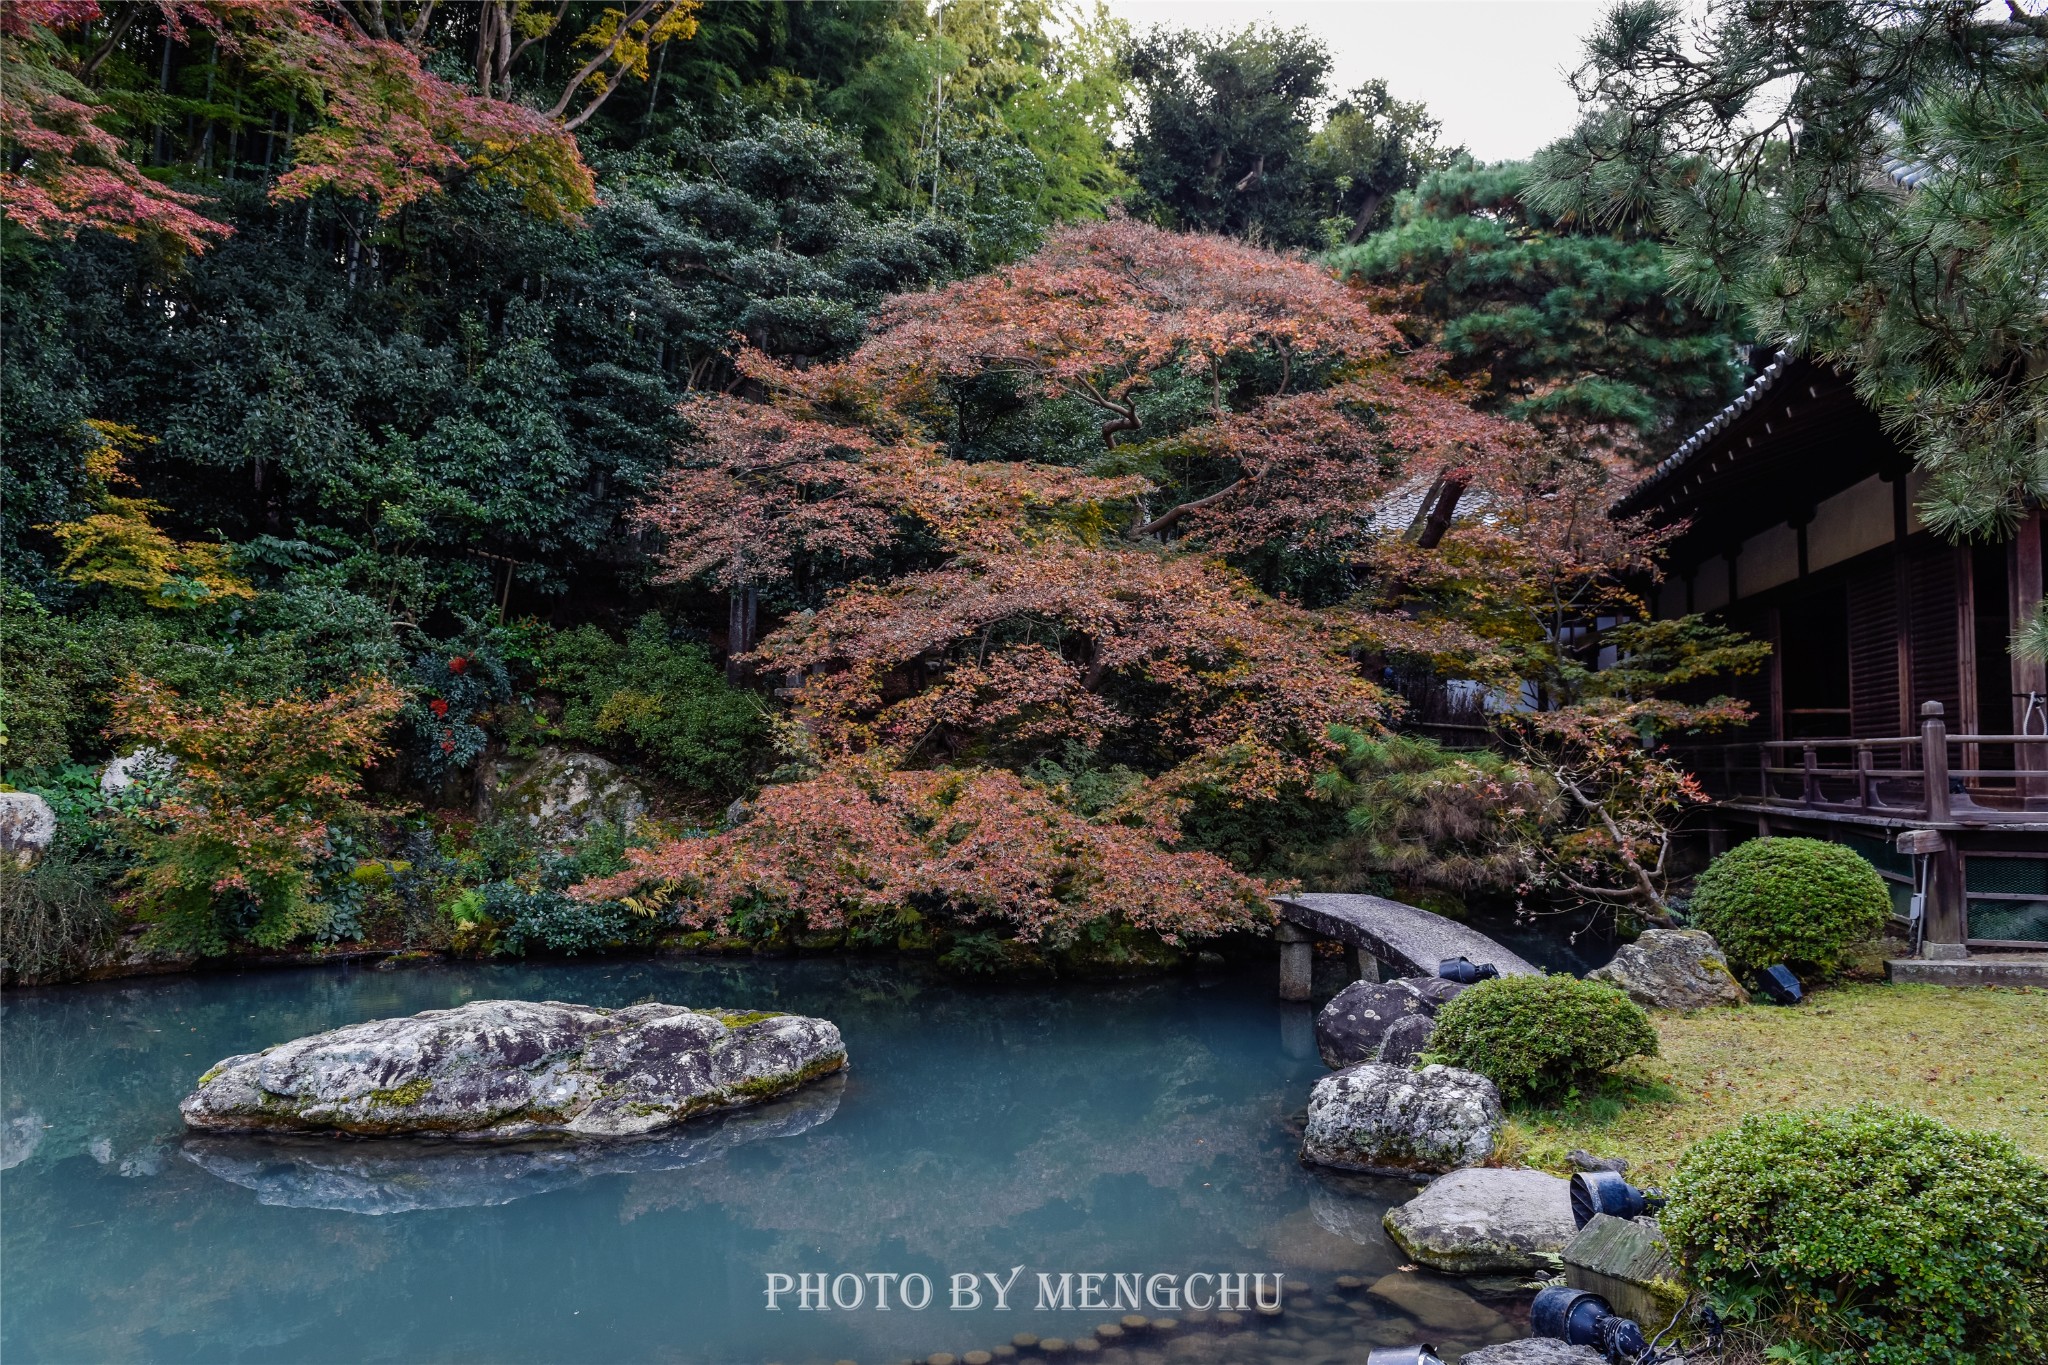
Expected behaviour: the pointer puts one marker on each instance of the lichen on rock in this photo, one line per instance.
(1389, 1120)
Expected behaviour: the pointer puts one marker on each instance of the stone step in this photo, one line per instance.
(1978, 969)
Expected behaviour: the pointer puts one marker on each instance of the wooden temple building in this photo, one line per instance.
(1891, 716)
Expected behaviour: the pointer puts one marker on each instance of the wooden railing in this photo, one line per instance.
(1932, 776)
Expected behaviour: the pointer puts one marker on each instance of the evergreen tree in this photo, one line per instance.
(1569, 323)
(1863, 180)
(1236, 133)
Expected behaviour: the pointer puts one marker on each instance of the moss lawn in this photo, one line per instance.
(1972, 1057)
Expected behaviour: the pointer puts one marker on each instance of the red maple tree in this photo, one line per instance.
(980, 848)
(387, 129)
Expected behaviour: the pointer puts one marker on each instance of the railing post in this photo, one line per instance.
(1763, 772)
(1934, 759)
(1863, 757)
(1809, 776)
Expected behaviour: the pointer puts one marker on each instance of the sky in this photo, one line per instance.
(1493, 71)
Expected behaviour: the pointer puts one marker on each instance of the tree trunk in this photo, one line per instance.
(743, 612)
(1366, 210)
(1440, 512)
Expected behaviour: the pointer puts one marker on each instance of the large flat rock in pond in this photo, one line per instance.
(504, 1069)
(1480, 1222)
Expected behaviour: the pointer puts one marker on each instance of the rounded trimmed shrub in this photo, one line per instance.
(1538, 1036)
(1868, 1234)
(1804, 902)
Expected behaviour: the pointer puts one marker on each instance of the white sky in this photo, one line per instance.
(1493, 71)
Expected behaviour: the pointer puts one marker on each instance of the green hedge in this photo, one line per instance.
(1536, 1037)
(1869, 1234)
(1799, 901)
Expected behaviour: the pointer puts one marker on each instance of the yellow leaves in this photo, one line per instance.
(638, 41)
(119, 546)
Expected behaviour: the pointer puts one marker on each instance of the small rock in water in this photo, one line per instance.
(1438, 1305)
(1534, 1351)
(497, 1069)
(1477, 1221)
(1389, 1120)
(1673, 969)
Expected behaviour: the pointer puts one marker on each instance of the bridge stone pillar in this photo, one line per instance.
(1297, 960)
(1362, 965)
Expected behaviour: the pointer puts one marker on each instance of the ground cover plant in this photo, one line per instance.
(1966, 1057)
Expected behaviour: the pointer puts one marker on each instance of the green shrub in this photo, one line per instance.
(56, 916)
(659, 698)
(1537, 1037)
(1799, 901)
(1869, 1234)
(551, 921)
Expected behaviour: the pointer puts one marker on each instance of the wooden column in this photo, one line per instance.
(2024, 586)
(1967, 721)
(1942, 937)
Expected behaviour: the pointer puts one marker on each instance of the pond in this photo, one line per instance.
(1083, 1128)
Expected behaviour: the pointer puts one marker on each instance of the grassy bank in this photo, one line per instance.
(1971, 1057)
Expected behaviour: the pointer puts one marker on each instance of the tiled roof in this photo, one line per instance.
(1719, 423)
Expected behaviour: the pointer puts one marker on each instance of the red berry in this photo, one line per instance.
(438, 707)
(457, 664)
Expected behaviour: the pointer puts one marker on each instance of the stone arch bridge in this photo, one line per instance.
(1408, 940)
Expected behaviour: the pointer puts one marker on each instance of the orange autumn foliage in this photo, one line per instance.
(984, 848)
(259, 795)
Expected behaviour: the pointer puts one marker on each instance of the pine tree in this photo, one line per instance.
(1571, 324)
(1863, 180)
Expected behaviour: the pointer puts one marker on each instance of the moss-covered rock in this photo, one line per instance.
(561, 793)
(496, 1069)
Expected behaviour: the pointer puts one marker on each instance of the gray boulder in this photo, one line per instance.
(1534, 1351)
(27, 827)
(1626, 1262)
(1407, 1040)
(1353, 1027)
(1673, 969)
(1583, 1160)
(400, 1176)
(497, 1069)
(561, 793)
(144, 765)
(1389, 1120)
(1482, 1222)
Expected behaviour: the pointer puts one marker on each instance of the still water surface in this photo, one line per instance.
(1089, 1127)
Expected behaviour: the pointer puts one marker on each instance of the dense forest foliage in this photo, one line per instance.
(916, 443)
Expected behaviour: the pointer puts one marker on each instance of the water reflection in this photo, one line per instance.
(1116, 1127)
(399, 1175)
